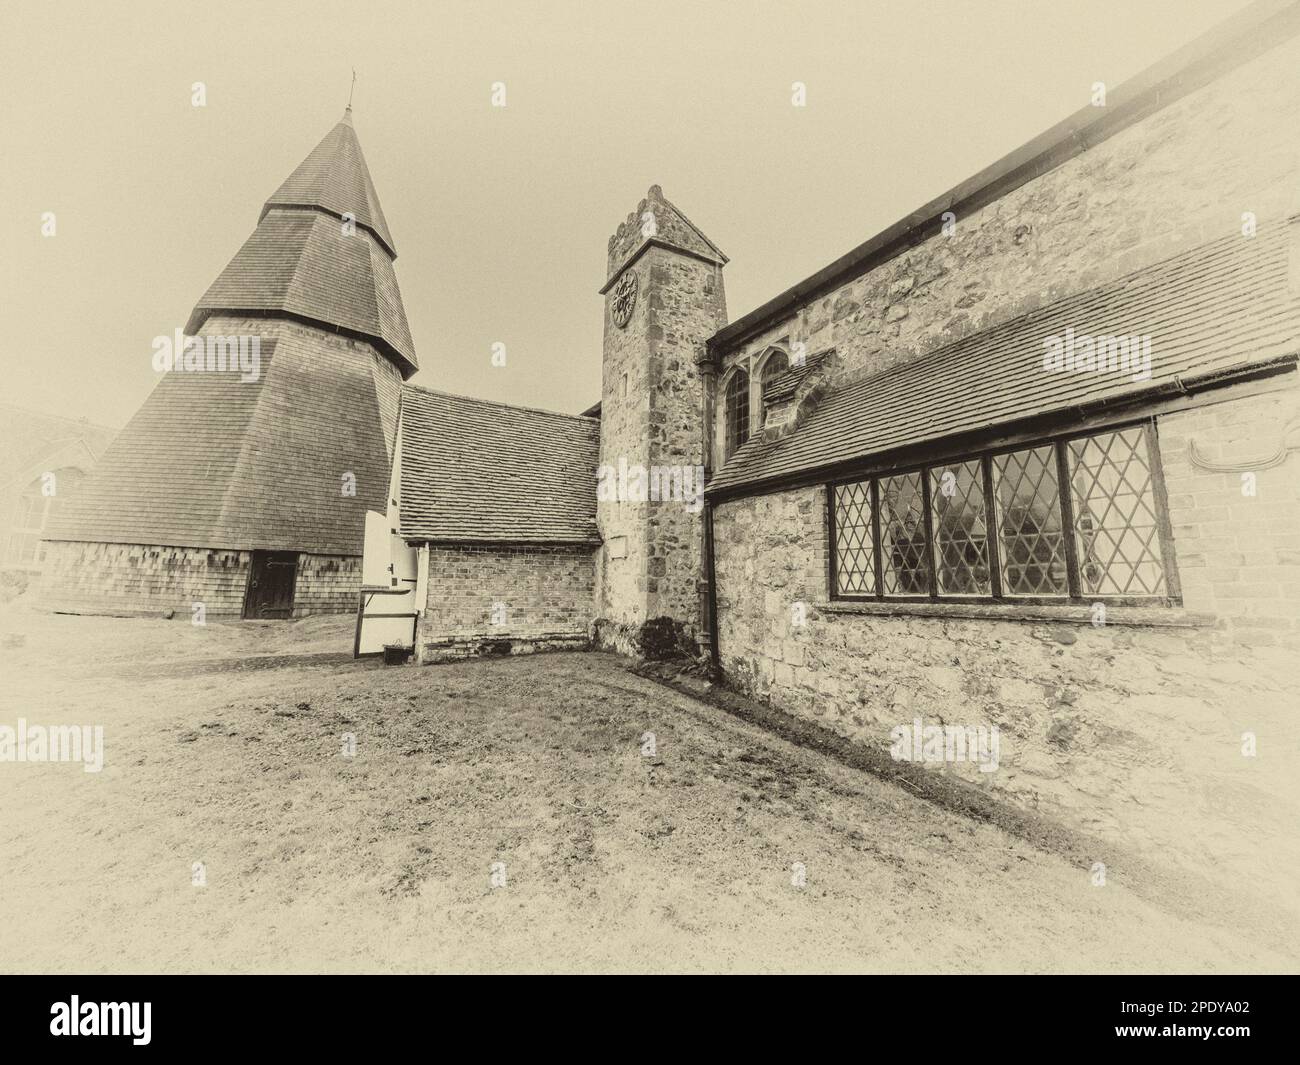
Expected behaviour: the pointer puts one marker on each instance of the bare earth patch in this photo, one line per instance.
(224, 746)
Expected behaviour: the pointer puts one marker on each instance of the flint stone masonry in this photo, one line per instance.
(139, 579)
(1118, 730)
(1175, 180)
(1134, 730)
(547, 594)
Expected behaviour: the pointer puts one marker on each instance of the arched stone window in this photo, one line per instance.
(737, 411)
(776, 363)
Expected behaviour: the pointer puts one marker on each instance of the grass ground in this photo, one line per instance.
(224, 746)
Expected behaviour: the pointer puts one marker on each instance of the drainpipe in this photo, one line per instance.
(711, 591)
(708, 368)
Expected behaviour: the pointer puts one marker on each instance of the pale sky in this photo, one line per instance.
(500, 216)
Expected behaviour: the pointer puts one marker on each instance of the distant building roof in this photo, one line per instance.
(1221, 306)
(302, 260)
(29, 437)
(482, 472)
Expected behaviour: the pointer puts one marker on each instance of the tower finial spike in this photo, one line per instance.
(353, 88)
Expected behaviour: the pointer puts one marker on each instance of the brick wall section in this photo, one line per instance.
(1129, 732)
(1177, 179)
(91, 578)
(547, 592)
(1238, 555)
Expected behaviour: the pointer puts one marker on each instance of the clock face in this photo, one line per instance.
(623, 299)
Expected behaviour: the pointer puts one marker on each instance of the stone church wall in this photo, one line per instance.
(1116, 730)
(624, 425)
(1119, 730)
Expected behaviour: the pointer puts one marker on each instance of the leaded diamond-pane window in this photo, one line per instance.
(902, 536)
(961, 549)
(1000, 525)
(1116, 530)
(1030, 540)
(855, 564)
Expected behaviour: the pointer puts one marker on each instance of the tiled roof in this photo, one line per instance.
(1222, 305)
(487, 472)
(334, 177)
(302, 263)
(213, 461)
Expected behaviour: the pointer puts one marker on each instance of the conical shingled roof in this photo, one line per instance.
(211, 460)
(334, 177)
(215, 459)
(303, 261)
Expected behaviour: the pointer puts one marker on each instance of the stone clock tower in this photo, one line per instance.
(663, 299)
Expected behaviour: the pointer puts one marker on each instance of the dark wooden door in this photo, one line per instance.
(270, 584)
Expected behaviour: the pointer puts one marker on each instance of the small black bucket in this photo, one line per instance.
(395, 654)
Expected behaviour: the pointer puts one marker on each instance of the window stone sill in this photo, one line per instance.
(1133, 616)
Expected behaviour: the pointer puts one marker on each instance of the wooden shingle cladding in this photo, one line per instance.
(321, 252)
(302, 263)
(480, 472)
(335, 178)
(291, 460)
(210, 460)
(1224, 306)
